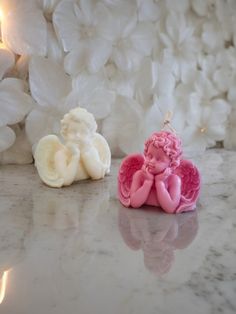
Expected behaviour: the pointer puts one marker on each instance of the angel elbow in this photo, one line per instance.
(135, 202)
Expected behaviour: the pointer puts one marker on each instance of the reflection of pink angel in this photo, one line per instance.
(157, 234)
(160, 177)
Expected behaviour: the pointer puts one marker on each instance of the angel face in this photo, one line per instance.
(78, 125)
(77, 131)
(156, 160)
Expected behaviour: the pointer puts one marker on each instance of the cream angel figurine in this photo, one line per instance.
(84, 153)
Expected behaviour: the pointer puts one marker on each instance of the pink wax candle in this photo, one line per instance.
(160, 176)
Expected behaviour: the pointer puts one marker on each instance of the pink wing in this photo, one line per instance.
(191, 182)
(128, 167)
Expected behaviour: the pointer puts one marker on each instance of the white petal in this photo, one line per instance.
(122, 128)
(125, 17)
(20, 152)
(216, 132)
(173, 26)
(212, 36)
(153, 120)
(127, 59)
(99, 52)
(13, 83)
(76, 60)
(7, 60)
(87, 7)
(14, 104)
(24, 29)
(40, 123)
(104, 21)
(178, 6)
(22, 66)
(220, 110)
(7, 138)
(85, 84)
(54, 49)
(205, 87)
(200, 7)
(48, 82)
(144, 84)
(166, 40)
(48, 6)
(90, 55)
(143, 37)
(122, 83)
(166, 80)
(90, 92)
(148, 10)
(100, 103)
(222, 79)
(194, 140)
(66, 24)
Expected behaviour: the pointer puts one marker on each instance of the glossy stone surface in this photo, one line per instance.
(78, 250)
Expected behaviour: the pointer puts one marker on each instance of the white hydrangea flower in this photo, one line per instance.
(84, 29)
(206, 112)
(91, 92)
(27, 28)
(206, 125)
(128, 63)
(132, 41)
(181, 46)
(49, 86)
(7, 60)
(220, 69)
(124, 127)
(24, 28)
(15, 104)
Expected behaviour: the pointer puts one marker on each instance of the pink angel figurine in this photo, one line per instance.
(160, 177)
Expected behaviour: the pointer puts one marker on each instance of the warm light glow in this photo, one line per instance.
(1, 15)
(3, 285)
(203, 130)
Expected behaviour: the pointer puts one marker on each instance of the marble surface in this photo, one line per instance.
(77, 250)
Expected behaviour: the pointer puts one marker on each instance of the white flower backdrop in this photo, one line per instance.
(126, 61)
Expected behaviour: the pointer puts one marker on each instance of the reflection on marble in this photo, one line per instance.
(62, 251)
(158, 235)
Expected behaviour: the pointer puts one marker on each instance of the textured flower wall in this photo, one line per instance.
(126, 61)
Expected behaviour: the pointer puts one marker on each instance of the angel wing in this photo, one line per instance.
(191, 182)
(128, 167)
(44, 160)
(104, 152)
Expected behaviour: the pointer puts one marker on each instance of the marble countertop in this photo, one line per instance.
(77, 250)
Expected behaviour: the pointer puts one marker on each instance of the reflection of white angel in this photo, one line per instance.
(84, 155)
